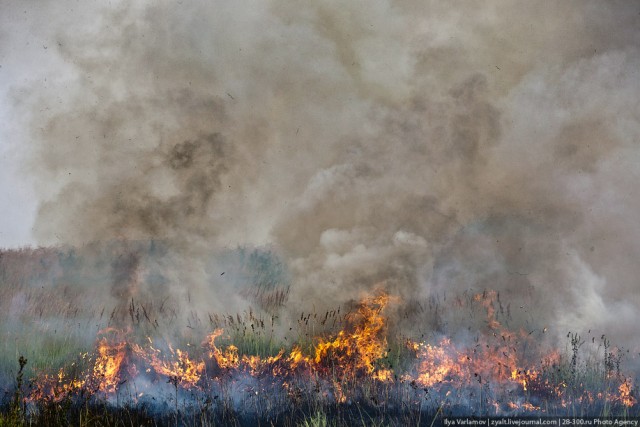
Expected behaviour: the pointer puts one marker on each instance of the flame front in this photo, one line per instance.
(358, 348)
(108, 364)
(337, 366)
(180, 369)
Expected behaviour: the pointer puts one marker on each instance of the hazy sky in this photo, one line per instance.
(17, 200)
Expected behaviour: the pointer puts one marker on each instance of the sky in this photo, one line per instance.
(429, 146)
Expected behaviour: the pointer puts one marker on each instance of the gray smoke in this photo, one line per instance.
(420, 147)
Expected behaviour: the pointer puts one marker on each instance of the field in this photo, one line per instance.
(321, 213)
(72, 356)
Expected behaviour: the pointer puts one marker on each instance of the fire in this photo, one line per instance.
(104, 376)
(437, 364)
(335, 365)
(354, 349)
(108, 364)
(55, 388)
(226, 359)
(296, 357)
(181, 370)
(359, 348)
(493, 357)
(487, 299)
(625, 394)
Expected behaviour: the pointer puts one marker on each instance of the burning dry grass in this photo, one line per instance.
(153, 362)
(356, 372)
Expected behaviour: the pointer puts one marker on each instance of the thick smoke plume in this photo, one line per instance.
(422, 147)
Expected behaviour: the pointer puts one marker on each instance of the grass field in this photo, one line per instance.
(71, 356)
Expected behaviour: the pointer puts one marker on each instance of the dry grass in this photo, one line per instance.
(52, 314)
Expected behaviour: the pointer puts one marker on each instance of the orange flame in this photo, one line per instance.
(625, 394)
(359, 348)
(181, 370)
(340, 360)
(108, 364)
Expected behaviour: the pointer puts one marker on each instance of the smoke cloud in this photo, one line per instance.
(421, 147)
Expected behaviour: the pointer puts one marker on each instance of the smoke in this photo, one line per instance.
(420, 147)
